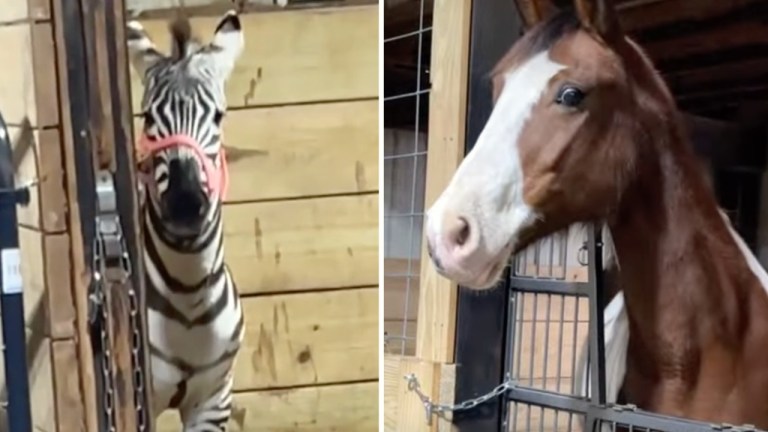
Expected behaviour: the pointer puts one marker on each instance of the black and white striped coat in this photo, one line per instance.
(195, 319)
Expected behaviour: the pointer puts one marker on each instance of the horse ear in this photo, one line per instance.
(599, 16)
(143, 52)
(534, 12)
(228, 42)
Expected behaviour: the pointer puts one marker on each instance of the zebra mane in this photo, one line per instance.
(183, 42)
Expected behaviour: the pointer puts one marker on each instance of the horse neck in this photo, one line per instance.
(688, 284)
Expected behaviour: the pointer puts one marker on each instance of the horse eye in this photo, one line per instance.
(570, 97)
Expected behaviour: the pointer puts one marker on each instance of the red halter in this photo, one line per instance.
(217, 180)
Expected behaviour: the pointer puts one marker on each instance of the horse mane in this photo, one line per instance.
(539, 38)
(181, 37)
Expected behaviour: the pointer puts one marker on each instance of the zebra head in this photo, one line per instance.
(183, 106)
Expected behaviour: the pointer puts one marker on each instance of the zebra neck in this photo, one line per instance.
(190, 261)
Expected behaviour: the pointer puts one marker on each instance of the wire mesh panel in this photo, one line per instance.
(406, 104)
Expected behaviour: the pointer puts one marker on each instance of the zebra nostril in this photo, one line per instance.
(186, 208)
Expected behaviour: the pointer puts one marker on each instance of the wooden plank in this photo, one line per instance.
(391, 383)
(38, 157)
(45, 80)
(45, 272)
(265, 144)
(343, 407)
(447, 120)
(32, 273)
(303, 244)
(13, 11)
(41, 383)
(20, 10)
(31, 47)
(17, 93)
(66, 387)
(294, 56)
(309, 338)
(58, 287)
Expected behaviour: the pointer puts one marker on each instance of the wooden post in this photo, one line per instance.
(73, 117)
(447, 120)
(96, 125)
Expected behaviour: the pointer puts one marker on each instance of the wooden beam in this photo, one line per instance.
(447, 120)
(68, 52)
(720, 75)
(721, 38)
(639, 15)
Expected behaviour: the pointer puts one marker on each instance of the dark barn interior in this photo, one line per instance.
(712, 53)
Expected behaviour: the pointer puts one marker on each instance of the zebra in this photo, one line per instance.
(194, 315)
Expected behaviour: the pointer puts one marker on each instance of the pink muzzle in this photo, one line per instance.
(216, 179)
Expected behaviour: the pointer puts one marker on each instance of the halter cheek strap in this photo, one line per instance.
(216, 181)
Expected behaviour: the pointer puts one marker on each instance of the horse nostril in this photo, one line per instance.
(458, 232)
(463, 233)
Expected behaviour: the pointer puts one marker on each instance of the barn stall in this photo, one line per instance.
(531, 331)
(301, 219)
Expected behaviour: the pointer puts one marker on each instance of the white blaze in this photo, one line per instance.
(488, 185)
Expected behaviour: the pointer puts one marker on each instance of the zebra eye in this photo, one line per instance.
(148, 119)
(218, 116)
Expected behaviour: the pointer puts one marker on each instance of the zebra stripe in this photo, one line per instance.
(194, 313)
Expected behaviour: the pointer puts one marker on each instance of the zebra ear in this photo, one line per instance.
(141, 49)
(228, 42)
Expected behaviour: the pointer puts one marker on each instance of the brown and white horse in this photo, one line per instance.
(583, 129)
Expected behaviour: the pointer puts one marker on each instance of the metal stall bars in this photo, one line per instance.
(96, 95)
(407, 55)
(11, 295)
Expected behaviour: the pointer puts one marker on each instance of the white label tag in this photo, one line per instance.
(11, 266)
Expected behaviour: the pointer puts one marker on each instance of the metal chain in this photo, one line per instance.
(98, 302)
(139, 394)
(112, 267)
(432, 408)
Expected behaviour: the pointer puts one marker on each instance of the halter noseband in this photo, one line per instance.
(216, 181)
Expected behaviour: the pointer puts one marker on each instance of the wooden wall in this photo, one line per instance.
(28, 100)
(301, 221)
